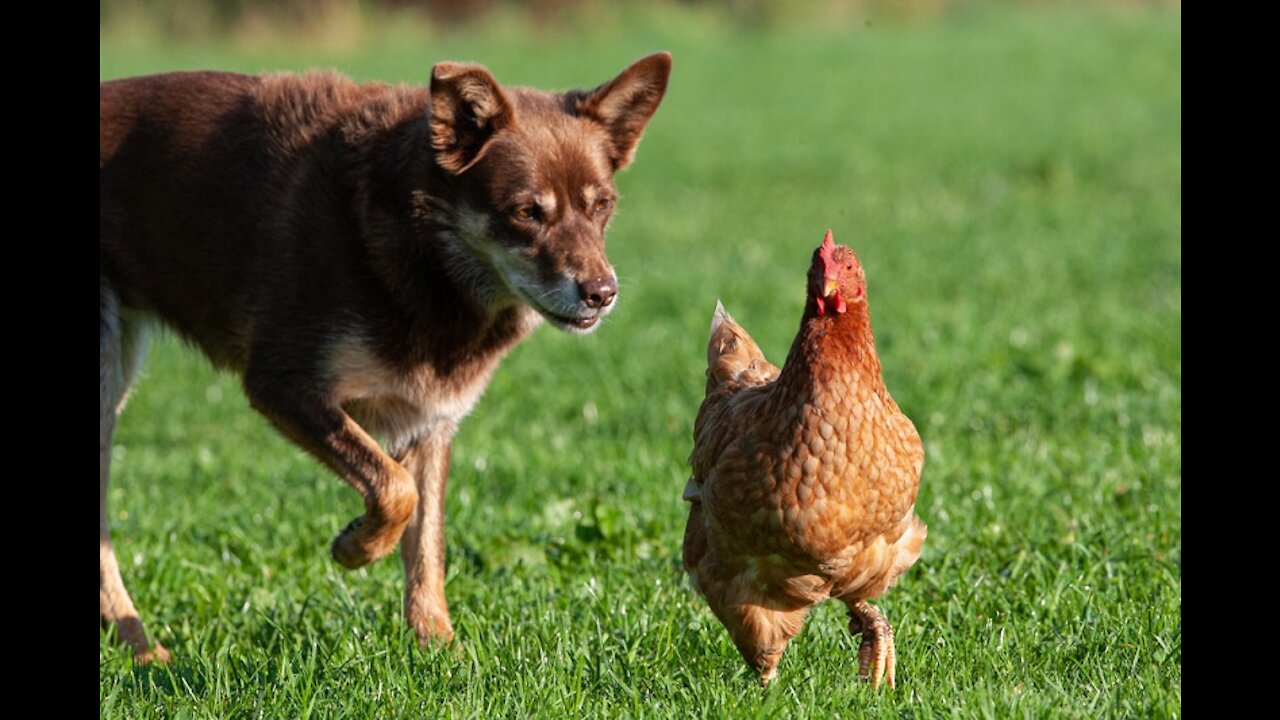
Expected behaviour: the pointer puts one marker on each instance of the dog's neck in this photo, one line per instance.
(452, 307)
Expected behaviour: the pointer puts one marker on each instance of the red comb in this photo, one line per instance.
(828, 247)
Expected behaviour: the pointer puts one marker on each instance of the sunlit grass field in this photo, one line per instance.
(1013, 184)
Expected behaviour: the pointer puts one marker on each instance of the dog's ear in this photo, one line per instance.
(467, 108)
(624, 104)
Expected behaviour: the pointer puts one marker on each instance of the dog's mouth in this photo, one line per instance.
(565, 322)
(569, 323)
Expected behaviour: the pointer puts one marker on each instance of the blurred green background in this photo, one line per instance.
(1011, 177)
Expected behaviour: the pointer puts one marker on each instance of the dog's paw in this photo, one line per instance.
(357, 546)
(435, 630)
(154, 654)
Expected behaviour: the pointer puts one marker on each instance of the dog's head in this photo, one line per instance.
(534, 173)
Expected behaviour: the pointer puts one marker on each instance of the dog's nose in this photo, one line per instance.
(598, 292)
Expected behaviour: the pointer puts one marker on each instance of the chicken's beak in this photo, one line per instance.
(830, 286)
(831, 291)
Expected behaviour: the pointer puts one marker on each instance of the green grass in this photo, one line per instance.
(1013, 184)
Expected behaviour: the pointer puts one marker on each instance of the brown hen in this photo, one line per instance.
(804, 480)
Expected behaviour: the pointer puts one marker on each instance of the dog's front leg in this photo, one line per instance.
(422, 547)
(317, 424)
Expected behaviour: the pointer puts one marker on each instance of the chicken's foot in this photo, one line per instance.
(876, 655)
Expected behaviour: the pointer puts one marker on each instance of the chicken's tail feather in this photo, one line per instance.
(719, 317)
(732, 355)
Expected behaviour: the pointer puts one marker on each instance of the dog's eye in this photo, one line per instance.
(603, 205)
(527, 213)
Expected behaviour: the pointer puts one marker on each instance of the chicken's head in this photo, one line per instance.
(836, 277)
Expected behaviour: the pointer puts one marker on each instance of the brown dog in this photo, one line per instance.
(363, 255)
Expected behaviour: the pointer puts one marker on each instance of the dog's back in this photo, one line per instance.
(219, 190)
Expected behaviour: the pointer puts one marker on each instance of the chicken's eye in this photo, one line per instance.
(602, 205)
(527, 213)
(848, 267)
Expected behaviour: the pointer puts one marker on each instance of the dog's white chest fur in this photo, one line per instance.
(398, 406)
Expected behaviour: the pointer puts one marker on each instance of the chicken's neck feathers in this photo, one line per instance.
(832, 361)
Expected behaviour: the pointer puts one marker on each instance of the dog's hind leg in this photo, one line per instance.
(122, 343)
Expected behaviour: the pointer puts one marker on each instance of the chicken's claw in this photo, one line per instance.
(877, 656)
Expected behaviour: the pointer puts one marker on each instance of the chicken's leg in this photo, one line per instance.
(876, 655)
(759, 627)
(762, 635)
